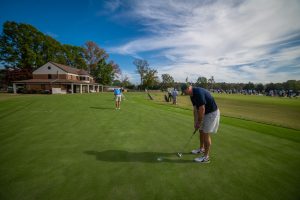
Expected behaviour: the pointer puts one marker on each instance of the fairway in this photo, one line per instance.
(277, 111)
(80, 147)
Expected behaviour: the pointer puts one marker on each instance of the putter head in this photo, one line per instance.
(179, 154)
(159, 159)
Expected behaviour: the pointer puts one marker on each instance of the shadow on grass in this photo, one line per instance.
(103, 108)
(145, 157)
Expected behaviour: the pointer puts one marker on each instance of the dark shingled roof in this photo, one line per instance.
(71, 69)
(83, 72)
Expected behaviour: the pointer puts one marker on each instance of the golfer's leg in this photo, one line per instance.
(207, 144)
(202, 140)
(120, 99)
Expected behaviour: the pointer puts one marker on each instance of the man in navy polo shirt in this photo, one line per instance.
(206, 118)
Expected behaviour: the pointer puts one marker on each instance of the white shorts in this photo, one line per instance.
(211, 122)
(118, 97)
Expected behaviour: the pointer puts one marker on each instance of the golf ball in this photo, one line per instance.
(159, 159)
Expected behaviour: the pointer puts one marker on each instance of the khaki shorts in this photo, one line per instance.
(118, 97)
(211, 122)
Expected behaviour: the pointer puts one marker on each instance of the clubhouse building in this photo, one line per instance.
(59, 79)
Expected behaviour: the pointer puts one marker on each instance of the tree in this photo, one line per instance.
(167, 81)
(117, 83)
(259, 87)
(224, 86)
(75, 56)
(150, 78)
(93, 54)
(249, 86)
(270, 86)
(292, 85)
(22, 46)
(104, 73)
(279, 86)
(51, 50)
(102, 70)
(141, 68)
(116, 68)
(201, 82)
(211, 82)
(125, 81)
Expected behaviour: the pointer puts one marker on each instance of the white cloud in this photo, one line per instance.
(209, 38)
(109, 7)
(112, 5)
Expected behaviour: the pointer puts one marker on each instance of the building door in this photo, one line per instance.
(69, 88)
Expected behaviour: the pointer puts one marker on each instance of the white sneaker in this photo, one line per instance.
(202, 159)
(197, 151)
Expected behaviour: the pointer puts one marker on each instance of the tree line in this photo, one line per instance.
(23, 47)
(149, 80)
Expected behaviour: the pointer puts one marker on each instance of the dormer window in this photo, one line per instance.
(49, 67)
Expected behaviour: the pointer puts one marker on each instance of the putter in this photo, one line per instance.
(179, 154)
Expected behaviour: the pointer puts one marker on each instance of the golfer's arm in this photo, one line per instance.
(195, 114)
(200, 113)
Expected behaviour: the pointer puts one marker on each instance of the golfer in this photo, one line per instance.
(118, 97)
(206, 118)
(174, 94)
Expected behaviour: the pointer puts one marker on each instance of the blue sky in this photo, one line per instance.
(234, 41)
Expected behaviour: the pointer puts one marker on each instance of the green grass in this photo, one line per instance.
(283, 112)
(79, 147)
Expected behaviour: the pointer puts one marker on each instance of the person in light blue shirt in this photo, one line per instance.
(118, 97)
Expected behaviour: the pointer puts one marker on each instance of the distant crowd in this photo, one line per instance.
(279, 93)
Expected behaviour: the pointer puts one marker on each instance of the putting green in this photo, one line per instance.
(80, 147)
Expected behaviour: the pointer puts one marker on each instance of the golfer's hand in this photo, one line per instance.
(197, 125)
